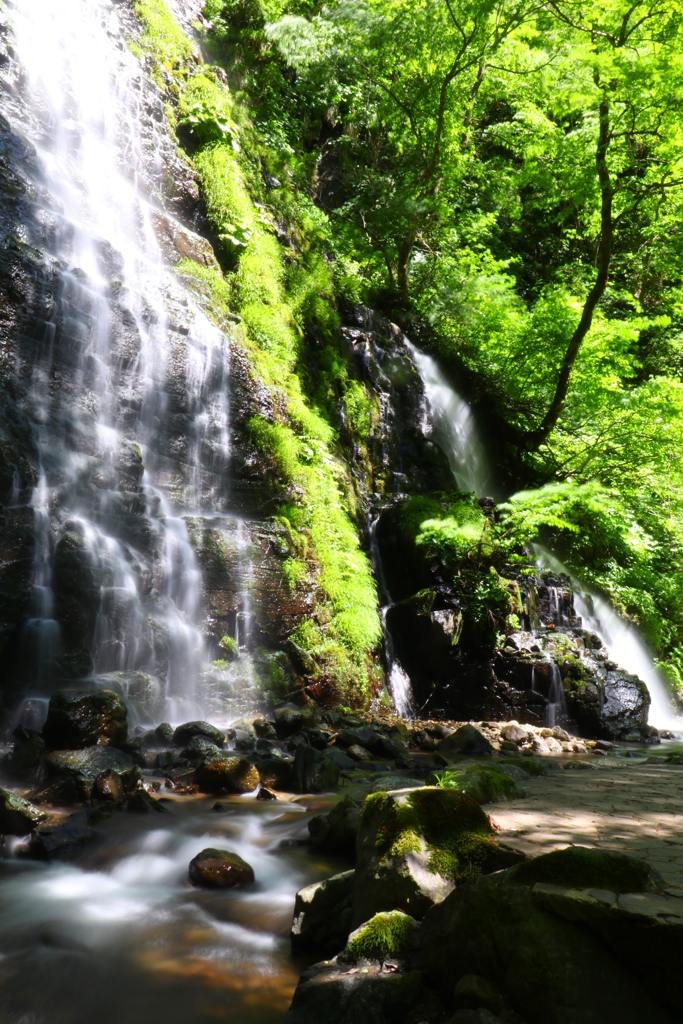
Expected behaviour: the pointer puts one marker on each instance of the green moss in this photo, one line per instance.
(389, 934)
(294, 571)
(162, 37)
(229, 644)
(283, 295)
(580, 868)
(457, 833)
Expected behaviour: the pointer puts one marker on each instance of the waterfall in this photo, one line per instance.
(127, 380)
(399, 680)
(450, 421)
(622, 642)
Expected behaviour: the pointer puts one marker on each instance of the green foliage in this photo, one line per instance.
(281, 293)
(483, 783)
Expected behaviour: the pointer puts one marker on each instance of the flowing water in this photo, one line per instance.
(450, 421)
(120, 935)
(623, 644)
(127, 381)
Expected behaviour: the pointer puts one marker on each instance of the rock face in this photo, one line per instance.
(219, 869)
(415, 845)
(95, 772)
(336, 832)
(533, 939)
(322, 915)
(346, 995)
(78, 719)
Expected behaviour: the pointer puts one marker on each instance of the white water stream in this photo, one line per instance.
(144, 374)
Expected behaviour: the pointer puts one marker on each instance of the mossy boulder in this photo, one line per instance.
(81, 718)
(562, 955)
(220, 773)
(391, 934)
(322, 915)
(18, 817)
(219, 869)
(578, 867)
(94, 772)
(415, 845)
(484, 783)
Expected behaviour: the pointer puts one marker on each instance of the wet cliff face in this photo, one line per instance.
(134, 527)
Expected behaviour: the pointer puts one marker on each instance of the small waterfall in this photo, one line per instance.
(557, 702)
(449, 419)
(622, 642)
(399, 680)
(127, 380)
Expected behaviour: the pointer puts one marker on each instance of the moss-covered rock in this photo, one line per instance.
(219, 869)
(78, 719)
(582, 868)
(183, 734)
(391, 934)
(345, 995)
(95, 771)
(415, 845)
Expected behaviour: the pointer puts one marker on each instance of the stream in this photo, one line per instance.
(121, 935)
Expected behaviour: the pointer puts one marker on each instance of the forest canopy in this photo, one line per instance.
(504, 178)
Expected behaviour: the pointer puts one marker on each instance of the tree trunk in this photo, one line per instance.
(534, 438)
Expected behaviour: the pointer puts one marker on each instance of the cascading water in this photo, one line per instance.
(399, 680)
(449, 419)
(138, 430)
(622, 642)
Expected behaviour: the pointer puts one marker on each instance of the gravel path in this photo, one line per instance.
(616, 805)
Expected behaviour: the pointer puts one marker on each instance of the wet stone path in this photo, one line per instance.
(616, 805)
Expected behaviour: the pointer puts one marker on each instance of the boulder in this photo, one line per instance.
(287, 721)
(389, 781)
(95, 771)
(312, 771)
(322, 915)
(533, 939)
(24, 762)
(514, 733)
(186, 732)
(79, 718)
(467, 740)
(336, 832)
(338, 757)
(18, 817)
(335, 994)
(59, 841)
(221, 773)
(473, 992)
(275, 772)
(414, 845)
(219, 869)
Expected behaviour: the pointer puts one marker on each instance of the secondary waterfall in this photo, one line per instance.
(137, 429)
(622, 642)
(449, 419)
